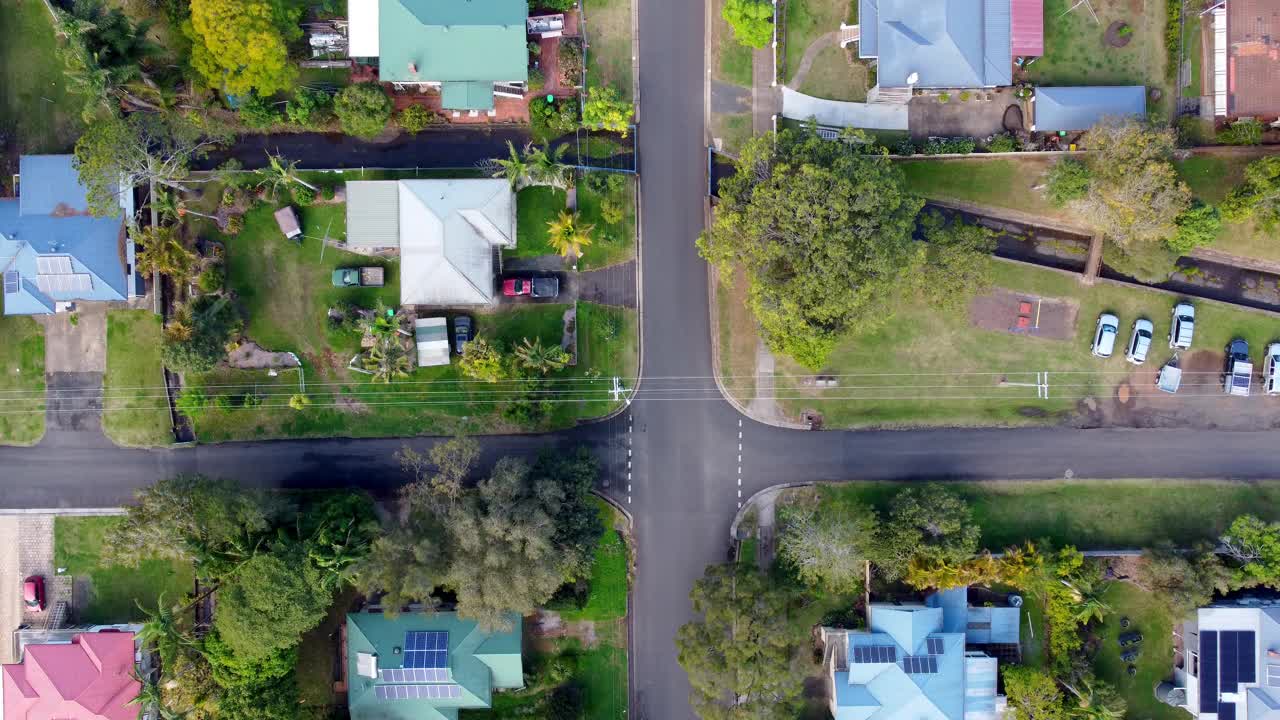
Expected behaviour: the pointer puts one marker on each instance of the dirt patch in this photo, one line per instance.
(548, 624)
(1021, 314)
(349, 404)
(1119, 34)
(250, 356)
(1013, 119)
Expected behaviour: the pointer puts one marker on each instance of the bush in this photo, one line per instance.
(570, 56)
(415, 119)
(964, 96)
(1197, 227)
(949, 146)
(363, 109)
(611, 211)
(944, 97)
(235, 223)
(904, 147)
(257, 113)
(211, 280)
(606, 110)
(537, 80)
(1193, 131)
(557, 5)
(309, 108)
(1242, 132)
(303, 195)
(553, 119)
(1002, 143)
(192, 402)
(751, 20)
(1068, 181)
(213, 322)
(328, 191)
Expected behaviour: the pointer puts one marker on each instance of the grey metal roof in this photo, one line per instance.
(949, 43)
(868, 21)
(1080, 108)
(373, 213)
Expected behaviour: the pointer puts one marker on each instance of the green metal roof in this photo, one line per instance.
(479, 663)
(453, 40)
(467, 96)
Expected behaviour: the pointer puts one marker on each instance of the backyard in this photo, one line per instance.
(1083, 50)
(135, 410)
(22, 380)
(36, 108)
(113, 594)
(609, 33)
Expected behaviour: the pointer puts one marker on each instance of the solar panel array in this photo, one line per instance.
(1228, 659)
(54, 265)
(75, 282)
(426, 649)
(920, 664)
(934, 645)
(409, 675)
(11, 281)
(417, 692)
(875, 654)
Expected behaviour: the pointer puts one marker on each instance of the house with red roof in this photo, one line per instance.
(90, 678)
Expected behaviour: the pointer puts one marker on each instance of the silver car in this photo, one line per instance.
(1271, 370)
(1104, 338)
(1183, 326)
(1140, 342)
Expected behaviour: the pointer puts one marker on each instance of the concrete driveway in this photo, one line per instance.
(75, 360)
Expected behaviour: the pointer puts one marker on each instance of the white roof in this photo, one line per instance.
(432, 337)
(362, 33)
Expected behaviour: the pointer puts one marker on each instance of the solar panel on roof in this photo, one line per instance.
(920, 665)
(53, 264)
(1227, 711)
(426, 649)
(417, 692)
(935, 646)
(11, 282)
(1247, 654)
(1227, 662)
(875, 654)
(1208, 671)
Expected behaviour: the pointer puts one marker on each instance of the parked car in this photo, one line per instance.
(33, 594)
(461, 333)
(1238, 372)
(1140, 341)
(539, 287)
(1271, 370)
(1104, 338)
(1130, 638)
(1183, 326)
(358, 277)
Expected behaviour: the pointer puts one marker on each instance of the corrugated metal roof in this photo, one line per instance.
(869, 26)
(1027, 27)
(948, 43)
(998, 59)
(373, 213)
(452, 40)
(467, 96)
(49, 184)
(1080, 108)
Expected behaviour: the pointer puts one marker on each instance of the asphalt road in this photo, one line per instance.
(439, 149)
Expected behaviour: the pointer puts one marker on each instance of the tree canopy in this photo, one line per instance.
(606, 110)
(1259, 196)
(1033, 694)
(240, 46)
(823, 231)
(751, 20)
(1255, 545)
(270, 602)
(363, 109)
(931, 523)
(829, 550)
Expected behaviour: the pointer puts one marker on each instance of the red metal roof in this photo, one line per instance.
(1027, 27)
(88, 679)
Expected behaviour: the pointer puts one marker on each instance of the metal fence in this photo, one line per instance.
(609, 151)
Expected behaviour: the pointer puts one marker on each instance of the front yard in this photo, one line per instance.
(1078, 52)
(609, 32)
(22, 380)
(135, 409)
(113, 594)
(612, 243)
(804, 22)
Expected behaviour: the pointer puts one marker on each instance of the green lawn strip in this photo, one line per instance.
(804, 22)
(1090, 514)
(747, 552)
(733, 130)
(731, 60)
(535, 207)
(608, 339)
(1076, 51)
(135, 411)
(921, 357)
(611, 244)
(21, 380)
(318, 651)
(834, 78)
(1148, 616)
(1192, 50)
(607, 599)
(37, 109)
(602, 674)
(608, 29)
(115, 592)
(1006, 183)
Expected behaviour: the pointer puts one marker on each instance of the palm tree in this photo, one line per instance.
(387, 361)
(540, 358)
(567, 236)
(150, 699)
(383, 324)
(1089, 605)
(169, 206)
(162, 252)
(514, 168)
(546, 166)
(279, 175)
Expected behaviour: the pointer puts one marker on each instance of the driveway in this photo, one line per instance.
(982, 115)
(75, 360)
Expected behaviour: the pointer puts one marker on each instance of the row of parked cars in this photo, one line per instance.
(1237, 375)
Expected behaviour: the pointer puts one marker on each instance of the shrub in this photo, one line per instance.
(211, 280)
(964, 96)
(222, 402)
(611, 211)
(606, 110)
(257, 113)
(1002, 143)
(229, 196)
(557, 5)
(944, 97)
(602, 183)
(1193, 131)
(309, 108)
(553, 119)
(904, 147)
(949, 146)
(570, 56)
(363, 109)
(303, 195)
(299, 402)
(1197, 227)
(329, 191)
(1173, 37)
(1242, 132)
(537, 80)
(192, 402)
(213, 322)
(1125, 31)
(415, 119)
(235, 223)
(1068, 181)
(751, 20)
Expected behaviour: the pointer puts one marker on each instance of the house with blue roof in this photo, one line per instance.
(427, 665)
(921, 661)
(53, 253)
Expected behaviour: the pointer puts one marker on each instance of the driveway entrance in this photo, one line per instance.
(75, 360)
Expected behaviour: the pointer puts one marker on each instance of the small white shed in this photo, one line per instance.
(432, 337)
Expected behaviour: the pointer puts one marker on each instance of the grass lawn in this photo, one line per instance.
(805, 22)
(535, 207)
(135, 412)
(613, 243)
(22, 376)
(734, 130)
(1090, 514)
(832, 76)
(1149, 617)
(1191, 51)
(607, 599)
(1006, 183)
(730, 59)
(1077, 53)
(114, 593)
(963, 363)
(36, 108)
(602, 673)
(608, 29)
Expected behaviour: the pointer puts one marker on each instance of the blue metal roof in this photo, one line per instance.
(1080, 108)
(868, 21)
(948, 43)
(49, 184)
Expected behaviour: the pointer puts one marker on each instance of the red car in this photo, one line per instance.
(512, 287)
(33, 593)
(539, 287)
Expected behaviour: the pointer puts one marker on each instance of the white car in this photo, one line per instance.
(1183, 326)
(1104, 338)
(1271, 370)
(1140, 342)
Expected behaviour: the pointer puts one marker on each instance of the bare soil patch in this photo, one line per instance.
(1023, 314)
(250, 356)
(1116, 38)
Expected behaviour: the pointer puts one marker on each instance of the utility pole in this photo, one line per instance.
(618, 390)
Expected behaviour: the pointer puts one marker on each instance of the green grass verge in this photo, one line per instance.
(602, 673)
(136, 411)
(535, 207)
(607, 599)
(36, 106)
(114, 593)
(1192, 51)
(609, 30)
(747, 552)
(22, 378)
(613, 242)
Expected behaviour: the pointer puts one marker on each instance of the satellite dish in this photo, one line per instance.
(913, 78)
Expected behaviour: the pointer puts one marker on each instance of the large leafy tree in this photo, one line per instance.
(740, 655)
(1255, 545)
(103, 53)
(1183, 581)
(958, 255)
(242, 45)
(1259, 196)
(1033, 694)
(829, 550)
(363, 109)
(929, 524)
(271, 602)
(751, 20)
(823, 231)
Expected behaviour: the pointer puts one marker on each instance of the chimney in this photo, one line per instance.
(413, 69)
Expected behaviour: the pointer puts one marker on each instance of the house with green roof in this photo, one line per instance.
(469, 50)
(427, 666)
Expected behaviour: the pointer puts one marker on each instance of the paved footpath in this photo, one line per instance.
(10, 586)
